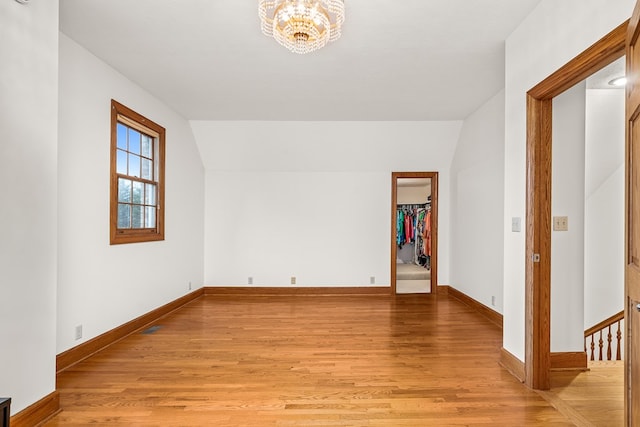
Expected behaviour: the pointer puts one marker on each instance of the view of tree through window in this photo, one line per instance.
(136, 195)
(137, 170)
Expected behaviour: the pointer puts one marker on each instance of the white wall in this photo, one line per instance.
(477, 188)
(567, 199)
(102, 286)
(550, 36)
(412, 195)
(319, 227)
(312, 199)
(604, 210)
(28, 136)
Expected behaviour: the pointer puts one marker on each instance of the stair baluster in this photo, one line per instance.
(599, 329)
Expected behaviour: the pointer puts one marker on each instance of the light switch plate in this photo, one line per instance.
(516, 224)
(560, 223)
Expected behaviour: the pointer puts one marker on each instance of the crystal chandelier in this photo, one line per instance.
(302, 26)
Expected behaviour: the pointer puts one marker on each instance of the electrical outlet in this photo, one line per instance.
(372, 280)
(293, 280)
(249, 280)
(189, 285)
(493, 300)
(78, 332)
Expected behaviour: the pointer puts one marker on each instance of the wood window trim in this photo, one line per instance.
(123, 114)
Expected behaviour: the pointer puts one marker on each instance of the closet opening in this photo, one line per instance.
(414, 234)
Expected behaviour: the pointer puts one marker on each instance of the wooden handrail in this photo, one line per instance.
(610, 321)
(598, 329)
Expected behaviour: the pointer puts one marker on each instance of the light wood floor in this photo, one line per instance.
(594, 398)
(425, 360)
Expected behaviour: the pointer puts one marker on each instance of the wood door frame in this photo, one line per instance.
(632, 103)
(538, 221)
(433, 285)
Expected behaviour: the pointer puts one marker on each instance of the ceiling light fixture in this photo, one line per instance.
(618, 81)
(302, 26)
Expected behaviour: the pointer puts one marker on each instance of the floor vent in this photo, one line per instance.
(151, 329)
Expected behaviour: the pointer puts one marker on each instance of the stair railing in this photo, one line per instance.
(595, 333)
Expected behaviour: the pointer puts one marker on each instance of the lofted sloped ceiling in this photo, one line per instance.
(396, 59)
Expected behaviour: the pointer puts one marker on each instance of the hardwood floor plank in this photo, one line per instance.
(591, 398)
(305, 360)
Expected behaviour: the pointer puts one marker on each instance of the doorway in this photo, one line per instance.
(539, 183)
(414, 194)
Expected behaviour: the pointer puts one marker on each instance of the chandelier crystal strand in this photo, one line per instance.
(302, 26)
(337, 8)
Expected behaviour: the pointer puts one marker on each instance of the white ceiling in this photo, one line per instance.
(396, 59)
(601, 79)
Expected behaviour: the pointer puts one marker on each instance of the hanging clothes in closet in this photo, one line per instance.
(405, 224)
(410, 225)
(426, 236)
(400, 228)
(419, 247)
(414, 227)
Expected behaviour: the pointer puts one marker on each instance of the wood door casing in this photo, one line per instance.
(538, 222)
(434, 224)
(632, 235)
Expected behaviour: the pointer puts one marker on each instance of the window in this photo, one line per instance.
(137, 177)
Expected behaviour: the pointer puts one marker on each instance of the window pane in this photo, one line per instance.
(124, 190)
(146, 169)
(146, 146)
(134, 165)
(150, 217)
(121, 136)
(121, 162)
(124, 217)
(137, 216)
(150, 194)
(138, 188)
(134, 141)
